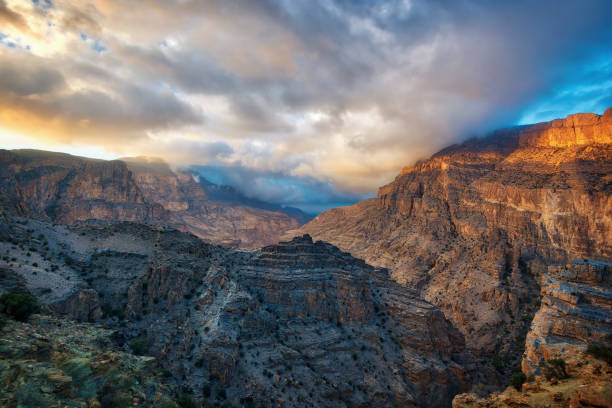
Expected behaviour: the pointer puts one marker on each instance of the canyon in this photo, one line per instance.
(292, 324)
(490, 259)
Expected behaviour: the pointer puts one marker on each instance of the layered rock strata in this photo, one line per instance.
(475, 226)
(294, 324)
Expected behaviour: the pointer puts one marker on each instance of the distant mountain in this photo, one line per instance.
(230, 195)
(65, 189)
(216, 213)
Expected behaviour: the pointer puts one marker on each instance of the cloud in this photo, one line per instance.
(43, 97)
(8, 16)
(307, 193)
(343, 92)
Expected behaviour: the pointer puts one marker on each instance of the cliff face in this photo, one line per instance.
(227, 223)
(299, 323)
(576, 312)
(66, 189)
(474, 227)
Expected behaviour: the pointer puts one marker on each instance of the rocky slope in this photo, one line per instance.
(588, 385)
(294, 324)
(52, 362)
(475, 227)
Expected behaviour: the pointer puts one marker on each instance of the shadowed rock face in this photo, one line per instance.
(474, 226)
(65, 189)
(299, 323)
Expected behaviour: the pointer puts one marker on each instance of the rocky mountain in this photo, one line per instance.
(487, 264)
(480, 226)
(299, 323)
(229, 194)
(61, 188)
(229, 219)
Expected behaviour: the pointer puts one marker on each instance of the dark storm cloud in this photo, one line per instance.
(307, 193)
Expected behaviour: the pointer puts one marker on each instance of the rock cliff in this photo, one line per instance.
(226, 222)
(576, 312)
(475, 227)
(65, 189)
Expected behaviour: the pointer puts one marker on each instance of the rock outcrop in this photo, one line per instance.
(576, 312)
(475, 226)
(54, 362)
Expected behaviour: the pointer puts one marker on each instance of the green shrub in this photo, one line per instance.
(598, 351)
(220, 393)
(186, 401)
(555, 368)
(19, 306)
(518, 379)
(206, 391)
(115, 399)
(140, 346)
(497, 363)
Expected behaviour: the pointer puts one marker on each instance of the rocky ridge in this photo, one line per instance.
(293, 324)
(62, 188)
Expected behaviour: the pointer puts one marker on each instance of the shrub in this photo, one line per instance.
(186, 401)
(115, 399)
(555, 368)
(221, 393)
(19, 306)
(601, 352)
(518, 379)
(140, 346)
(206, 391)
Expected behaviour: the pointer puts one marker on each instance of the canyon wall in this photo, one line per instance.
(475, 227)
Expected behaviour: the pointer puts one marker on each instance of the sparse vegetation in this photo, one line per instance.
(554, 368)
(186, 401)
(517, 380)
(19, 306)
(140, 346)
(601, 352)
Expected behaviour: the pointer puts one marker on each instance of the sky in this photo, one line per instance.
(300, 102)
